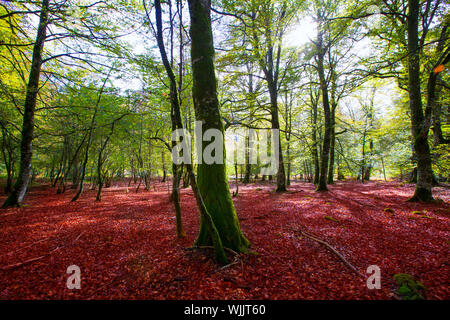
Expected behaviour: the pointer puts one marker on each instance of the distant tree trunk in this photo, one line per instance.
(270, 64)
(438, 137)
(384, 170)
(281, 175)
(419, 127)
(100, 162)
(213, 188)
(186, 178)
(288, 132)
(163, 167)
(322, 185)
(315, 142)
(76, 173)
(248, 165)
(235, 193)
(26, 152)
(434, 91)
(368, 171)
(288, 151)
(89, 140)
(363, 161)
(332, 144)
(8, 158)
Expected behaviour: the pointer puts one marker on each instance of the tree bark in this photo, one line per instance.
(314, 140)
(332, 144)
(175, 114)
(419, 129)
(213, 187)
(322, 184)
(26, 150)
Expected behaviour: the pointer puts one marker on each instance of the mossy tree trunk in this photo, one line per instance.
(212, 179)
(419, 126)
(26, 151)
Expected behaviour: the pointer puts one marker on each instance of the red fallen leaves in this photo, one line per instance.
(126, 247)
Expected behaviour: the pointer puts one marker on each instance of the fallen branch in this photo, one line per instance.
(30, 245)
(340, 256)
(20, 264)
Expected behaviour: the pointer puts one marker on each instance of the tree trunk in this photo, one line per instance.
(248, 165)
(26, 151)
(314, 145)
(213, 187)
(435, 91)
(332, 144)
(281, 175)
(322, 184)
(288, 178)
(421, 148)
(175, 118)
(163, 167)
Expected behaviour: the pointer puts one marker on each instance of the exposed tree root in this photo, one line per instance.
(236, 260)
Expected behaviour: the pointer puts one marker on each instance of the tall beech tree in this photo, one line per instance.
(26, 149)
(212, 179)
(320, 57)
(419, 121)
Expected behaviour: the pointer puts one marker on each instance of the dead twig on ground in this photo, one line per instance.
(20, 264)
(329, 247)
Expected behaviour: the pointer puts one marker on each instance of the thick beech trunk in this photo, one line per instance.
(213, 189)
(419, 128)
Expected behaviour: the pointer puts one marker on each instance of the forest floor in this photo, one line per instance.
(126, 247)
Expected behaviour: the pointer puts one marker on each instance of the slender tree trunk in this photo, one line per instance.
(434, 91)
(163, 167)
(26, 151)
(314, 145)
(176, 123)
(322, 185)
(368, 172)
(8, 158)
(281, 175)
(384, 170)
(248, 165)
(89, 140)
(363, 163)
(288, 152)
(332, 144)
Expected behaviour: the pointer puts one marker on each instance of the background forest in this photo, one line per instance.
(104, 95)
(91, 91)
